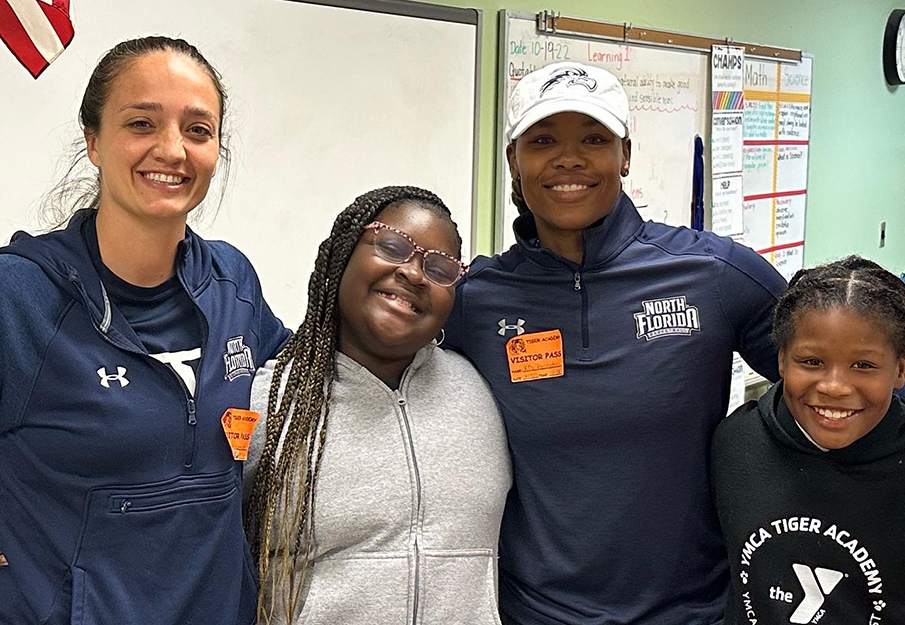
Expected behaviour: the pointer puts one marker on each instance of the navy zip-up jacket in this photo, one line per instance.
(119, 496)
(611, 519)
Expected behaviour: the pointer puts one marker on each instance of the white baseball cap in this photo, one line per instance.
(567, 87)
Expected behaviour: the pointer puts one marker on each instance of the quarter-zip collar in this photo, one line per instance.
(601, 241)
(64, 257)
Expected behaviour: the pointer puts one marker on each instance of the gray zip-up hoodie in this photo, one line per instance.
(410, 496)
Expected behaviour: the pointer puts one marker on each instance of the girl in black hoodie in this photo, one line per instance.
(810, 480)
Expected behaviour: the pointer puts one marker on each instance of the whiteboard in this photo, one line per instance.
(669, 99)
(325, 103)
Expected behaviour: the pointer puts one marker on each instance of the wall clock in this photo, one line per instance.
(894, 48)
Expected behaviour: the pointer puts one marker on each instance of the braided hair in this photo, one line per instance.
(853, 283)
(279, 518)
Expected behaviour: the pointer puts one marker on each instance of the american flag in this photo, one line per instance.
(35, 31)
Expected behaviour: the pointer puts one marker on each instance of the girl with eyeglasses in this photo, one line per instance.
(382, 471)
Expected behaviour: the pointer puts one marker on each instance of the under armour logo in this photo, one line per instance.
(816, 585)
(518, 326)
(119, 377)
(571, 76)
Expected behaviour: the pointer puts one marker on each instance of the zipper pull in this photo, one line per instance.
(191, 407)
(577, 281)
(126, 505)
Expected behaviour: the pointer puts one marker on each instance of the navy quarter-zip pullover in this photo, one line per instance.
(611, 519)
(119, 497)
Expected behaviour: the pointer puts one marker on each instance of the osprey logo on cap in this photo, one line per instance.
(571, 76)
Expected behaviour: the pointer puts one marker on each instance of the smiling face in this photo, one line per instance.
(388, 311)
(570, 166)
(157, 145)
(839, 370)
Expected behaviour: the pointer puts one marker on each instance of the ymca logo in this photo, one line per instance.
(767, 594)
(817, 584)
(666, 316)
(237, 359)
(120, 377)
(571, 76)
(518, 326)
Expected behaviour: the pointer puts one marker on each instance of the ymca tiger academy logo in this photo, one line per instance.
(668, 316)
(238, 359)
(798, 570)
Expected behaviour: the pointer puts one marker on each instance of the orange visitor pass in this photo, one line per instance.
(238, 426)
(535, 356)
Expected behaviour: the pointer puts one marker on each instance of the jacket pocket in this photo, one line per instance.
(458, 588)
(168, 552)
(358, 591)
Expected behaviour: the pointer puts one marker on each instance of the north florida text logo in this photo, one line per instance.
(238, 359)
(665, 317)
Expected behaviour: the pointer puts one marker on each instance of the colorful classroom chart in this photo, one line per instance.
(777, 114)
(727, 140)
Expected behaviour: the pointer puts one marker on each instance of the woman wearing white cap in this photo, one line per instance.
(607, 341)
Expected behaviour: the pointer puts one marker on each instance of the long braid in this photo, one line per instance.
(280, 515)
(853, 283)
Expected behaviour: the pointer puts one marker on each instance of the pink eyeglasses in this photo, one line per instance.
(398, 247)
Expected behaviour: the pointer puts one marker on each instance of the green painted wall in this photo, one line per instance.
(857, 156)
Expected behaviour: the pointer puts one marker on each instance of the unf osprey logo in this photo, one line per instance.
(571, 76)
(238, 359)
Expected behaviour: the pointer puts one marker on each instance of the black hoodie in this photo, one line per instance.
(812, 536)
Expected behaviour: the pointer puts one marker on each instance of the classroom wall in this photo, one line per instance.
(857, 160)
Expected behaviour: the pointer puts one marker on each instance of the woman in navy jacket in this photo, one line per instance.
(125, 338)
(608, 343)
